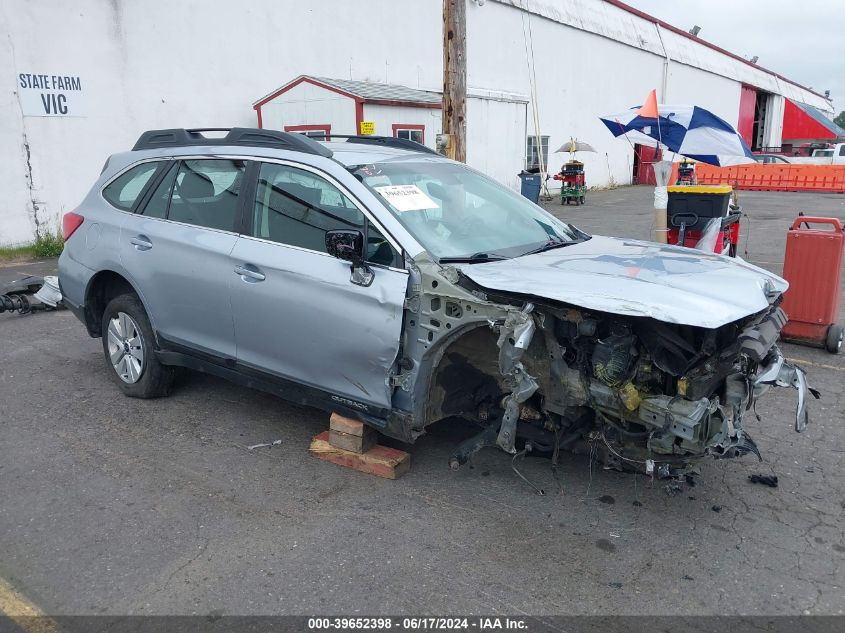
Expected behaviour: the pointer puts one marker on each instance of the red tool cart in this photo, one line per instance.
(690, 209)
(813, 268)
(686, 173)
(573, 185)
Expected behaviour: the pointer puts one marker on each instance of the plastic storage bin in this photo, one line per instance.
(692, 207)
(530, 186)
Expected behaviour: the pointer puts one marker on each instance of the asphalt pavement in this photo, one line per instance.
(113, 505)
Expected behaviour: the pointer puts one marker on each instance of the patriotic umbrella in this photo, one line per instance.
(684, 129)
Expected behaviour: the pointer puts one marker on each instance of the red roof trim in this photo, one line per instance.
(675, 29)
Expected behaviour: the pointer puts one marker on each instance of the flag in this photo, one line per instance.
(649, 108)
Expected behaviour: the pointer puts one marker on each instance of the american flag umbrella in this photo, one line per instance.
(687, 130)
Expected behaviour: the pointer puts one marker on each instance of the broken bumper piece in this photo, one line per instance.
(779, 373)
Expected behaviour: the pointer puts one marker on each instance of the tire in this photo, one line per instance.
(129, 350)
(833, 343)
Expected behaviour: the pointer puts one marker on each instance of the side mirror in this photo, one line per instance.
(348, 245)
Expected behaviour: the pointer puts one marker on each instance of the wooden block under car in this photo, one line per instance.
(381, 461)
(351, 426)
(353, 443)
(351, 435)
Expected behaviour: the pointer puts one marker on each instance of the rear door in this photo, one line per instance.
(298, 314)
(177, 250)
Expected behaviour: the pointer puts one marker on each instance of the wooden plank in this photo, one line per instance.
(381, 461)
(354, 443)
(347, 425)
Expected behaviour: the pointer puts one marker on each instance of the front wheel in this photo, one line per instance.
(128, 345)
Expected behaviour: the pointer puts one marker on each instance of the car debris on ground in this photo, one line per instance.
(766, 480)
(31, 294)
(264, 445)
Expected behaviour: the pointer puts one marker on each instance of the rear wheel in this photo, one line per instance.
(835, 335)
(128, 345)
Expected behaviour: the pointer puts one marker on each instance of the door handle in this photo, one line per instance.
(250, 273)
(141, 242)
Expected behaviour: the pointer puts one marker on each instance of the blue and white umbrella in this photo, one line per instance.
(686, 130)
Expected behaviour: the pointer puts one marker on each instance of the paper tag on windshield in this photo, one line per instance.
(406, 197)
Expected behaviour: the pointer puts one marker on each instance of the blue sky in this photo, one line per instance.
(800, 40)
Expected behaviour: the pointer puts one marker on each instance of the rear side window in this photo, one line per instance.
(205, 193)
(124, 190)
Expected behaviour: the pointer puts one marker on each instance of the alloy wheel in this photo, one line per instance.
(126, 348)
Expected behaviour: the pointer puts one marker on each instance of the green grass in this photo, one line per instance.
(26, 251)
(47, 245)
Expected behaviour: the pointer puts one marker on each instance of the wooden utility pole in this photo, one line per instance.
(455, 77)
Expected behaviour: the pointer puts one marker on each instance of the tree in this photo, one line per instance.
(840, 119)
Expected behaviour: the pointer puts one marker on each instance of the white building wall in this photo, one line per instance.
(713, 92)
(610, 21)
(161, 64)
(579, 77)
(157, 64)
(306, 103)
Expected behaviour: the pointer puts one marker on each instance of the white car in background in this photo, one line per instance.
(769, 159)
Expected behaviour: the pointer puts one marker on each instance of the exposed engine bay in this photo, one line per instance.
(636, 393)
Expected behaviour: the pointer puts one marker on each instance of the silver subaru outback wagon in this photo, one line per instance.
(375, 278)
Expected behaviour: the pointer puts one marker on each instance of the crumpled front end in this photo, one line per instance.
(632, 390)
(642, 394)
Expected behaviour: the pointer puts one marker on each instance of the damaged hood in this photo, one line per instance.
(634, 278)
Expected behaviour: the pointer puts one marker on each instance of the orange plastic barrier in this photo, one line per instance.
(771, 177)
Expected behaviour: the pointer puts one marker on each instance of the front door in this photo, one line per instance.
(177, 249)
(298, 314)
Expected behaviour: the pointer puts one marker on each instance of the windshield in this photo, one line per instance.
(458, 213)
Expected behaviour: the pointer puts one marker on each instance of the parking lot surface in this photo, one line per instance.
(113, 505)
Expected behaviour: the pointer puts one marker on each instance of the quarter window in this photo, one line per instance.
(205, 193)
(124, 190)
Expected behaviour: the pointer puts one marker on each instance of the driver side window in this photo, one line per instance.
(296, 207)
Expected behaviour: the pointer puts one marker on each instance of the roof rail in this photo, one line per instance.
(250, 137)
(387, 141)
